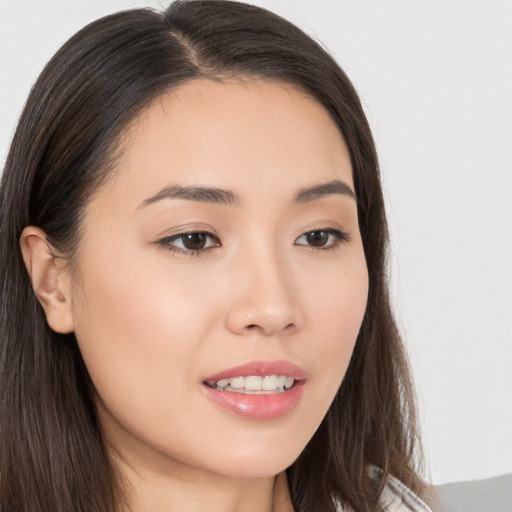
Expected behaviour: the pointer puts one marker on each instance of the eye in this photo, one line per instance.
(323, 238)
(192, 243)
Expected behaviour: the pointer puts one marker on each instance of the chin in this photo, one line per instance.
(256, 460)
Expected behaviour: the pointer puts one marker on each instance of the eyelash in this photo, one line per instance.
(167, 242)
(338, 235)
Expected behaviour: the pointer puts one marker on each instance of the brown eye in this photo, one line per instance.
(323, 238)
(194, 241)
(317, 238)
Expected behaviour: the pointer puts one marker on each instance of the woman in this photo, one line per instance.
(194, 304)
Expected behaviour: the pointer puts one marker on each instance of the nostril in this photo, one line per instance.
(256, 328)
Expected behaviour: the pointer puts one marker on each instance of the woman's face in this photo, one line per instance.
(224, 255)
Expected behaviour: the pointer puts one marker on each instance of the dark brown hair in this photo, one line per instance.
(51, 452)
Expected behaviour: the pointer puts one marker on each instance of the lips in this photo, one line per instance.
(260, 390)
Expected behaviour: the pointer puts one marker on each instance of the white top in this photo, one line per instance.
(399, 498)
(396, 497)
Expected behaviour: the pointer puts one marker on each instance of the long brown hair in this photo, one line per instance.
(52, 456)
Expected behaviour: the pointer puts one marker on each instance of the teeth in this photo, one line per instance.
(288, 383)
(237, 382)
(254, 384)
(269, 382)
(280, 381)
(223, 383)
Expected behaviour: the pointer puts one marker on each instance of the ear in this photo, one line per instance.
(50, 279)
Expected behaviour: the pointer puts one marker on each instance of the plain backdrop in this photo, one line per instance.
(435, 78)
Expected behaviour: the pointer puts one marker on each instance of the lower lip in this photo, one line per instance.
(257, 407)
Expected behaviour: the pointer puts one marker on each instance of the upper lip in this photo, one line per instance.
(260, 368)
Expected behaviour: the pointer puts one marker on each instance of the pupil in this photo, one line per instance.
(194, 241)
(317, 238)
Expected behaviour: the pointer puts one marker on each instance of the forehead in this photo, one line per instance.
(252, 136)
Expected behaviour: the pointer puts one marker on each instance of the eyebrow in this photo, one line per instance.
(230, 198)
(327, 189)
(195, 193)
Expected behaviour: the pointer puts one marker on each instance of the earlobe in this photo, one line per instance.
(50, 279)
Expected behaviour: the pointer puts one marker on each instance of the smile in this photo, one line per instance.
(258, 390)
(255, 384)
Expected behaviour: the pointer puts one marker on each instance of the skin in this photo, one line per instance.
(153, 323)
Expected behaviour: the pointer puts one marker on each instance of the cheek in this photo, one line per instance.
(336, 308)
(138, 331)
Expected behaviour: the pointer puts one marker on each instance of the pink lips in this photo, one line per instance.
(260, 407)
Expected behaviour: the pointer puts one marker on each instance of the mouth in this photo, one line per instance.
(260, 390)
(254, 384)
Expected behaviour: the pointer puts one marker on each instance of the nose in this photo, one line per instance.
(265, 298)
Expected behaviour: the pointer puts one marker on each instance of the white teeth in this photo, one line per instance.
(253, 383)
(289, 382)
(280, 381)
(237, 382)
(269, 382)
(256, 384)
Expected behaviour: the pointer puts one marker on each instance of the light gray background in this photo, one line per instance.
(436, 80)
